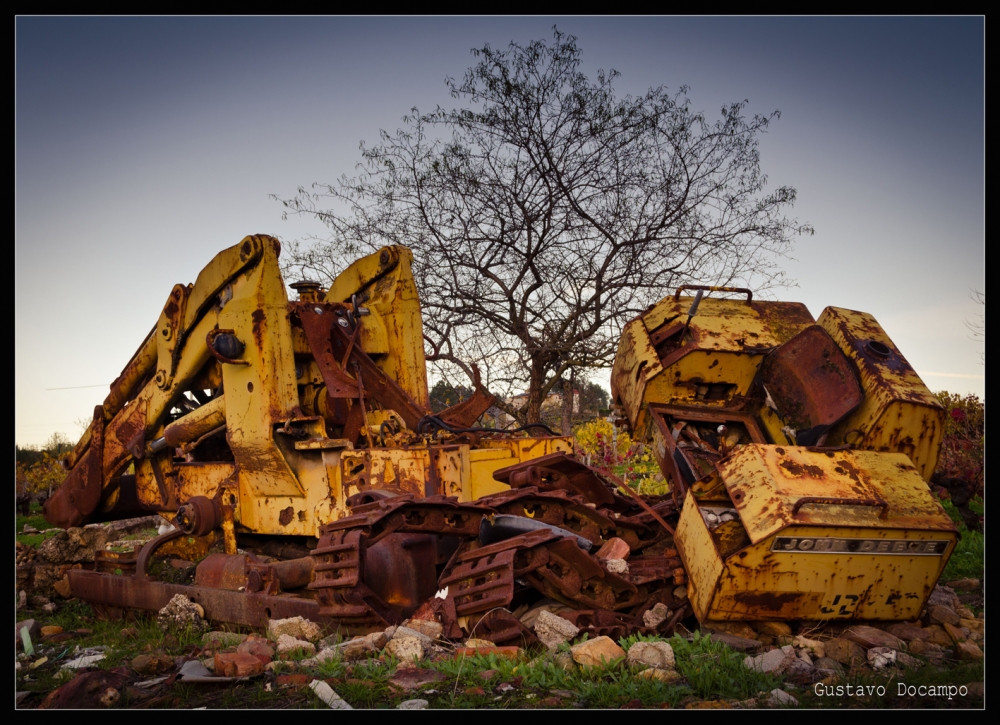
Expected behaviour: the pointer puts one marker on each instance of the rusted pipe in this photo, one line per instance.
(294, 573)
(196, 423)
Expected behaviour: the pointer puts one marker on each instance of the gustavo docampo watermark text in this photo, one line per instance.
(901, 690)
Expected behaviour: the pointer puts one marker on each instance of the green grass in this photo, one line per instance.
(710, 670)
(968, 559)
(36, 520)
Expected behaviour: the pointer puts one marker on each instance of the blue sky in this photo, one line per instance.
(145, 145)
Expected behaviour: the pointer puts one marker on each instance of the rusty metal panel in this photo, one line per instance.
(710, 360)
(812, 384)
(899, 412)
(811, 573)
(774, 487)
(701, 559)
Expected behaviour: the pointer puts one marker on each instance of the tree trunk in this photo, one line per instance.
(533, 412)
(567, 403)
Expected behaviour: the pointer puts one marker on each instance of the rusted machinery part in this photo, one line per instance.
(558, 471)
(80, 493)
(198, 516)
(377, 567)
(565, 510)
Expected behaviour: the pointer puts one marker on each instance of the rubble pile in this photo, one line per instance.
(288, 655)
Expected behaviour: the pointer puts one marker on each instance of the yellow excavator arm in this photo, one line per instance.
(279, 411)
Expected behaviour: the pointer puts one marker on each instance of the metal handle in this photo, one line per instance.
(873, 502)
(741, 290)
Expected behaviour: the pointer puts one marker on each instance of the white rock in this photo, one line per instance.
(552, 630)
(814, 647)
(287, 644)
(424, 627)
(652, 654)
(656, 616)
(408, 632)
(681, 592)
(413, 705)
(780, 698)
(298, 627)
(325, 693)
(776, 661)
(881, 657)
(405, 648)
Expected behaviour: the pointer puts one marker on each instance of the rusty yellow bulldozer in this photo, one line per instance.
(292, 446)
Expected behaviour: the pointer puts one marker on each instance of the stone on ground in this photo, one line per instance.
(906, 631)
(405, 648)
(297, 627)
(869, 637)
(776, 661)
(595, 652)
(257, 648)
(357, 648)
(222, 639)
(780, 698)
(964, 584)
(288, 645)
(813, 646)
(237, 664)
(552, 630)
(881, 657)
(182, 613)
(652, 654)
(941, 614)
(844, 651)
(413, 705)
(969, 651)
(660, 675)
(425, 627)
(656, 615)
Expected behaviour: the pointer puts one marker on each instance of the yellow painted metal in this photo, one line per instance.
(800, 513)
(393, 333)
(702, 562)
(710, 361)
(774, 487)
(874, 494)
(899, 413)
(287, 476)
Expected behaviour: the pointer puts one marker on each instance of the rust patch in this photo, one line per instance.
(258, 322)
(797, 469)
(773, 601)
(286, 516)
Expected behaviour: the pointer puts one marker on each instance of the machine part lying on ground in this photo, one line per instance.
(292, 446)
(799, 451)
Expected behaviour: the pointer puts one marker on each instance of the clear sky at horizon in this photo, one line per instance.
(143, 146)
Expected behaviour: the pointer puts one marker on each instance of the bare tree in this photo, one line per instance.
(977, 326)
(546, 212)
